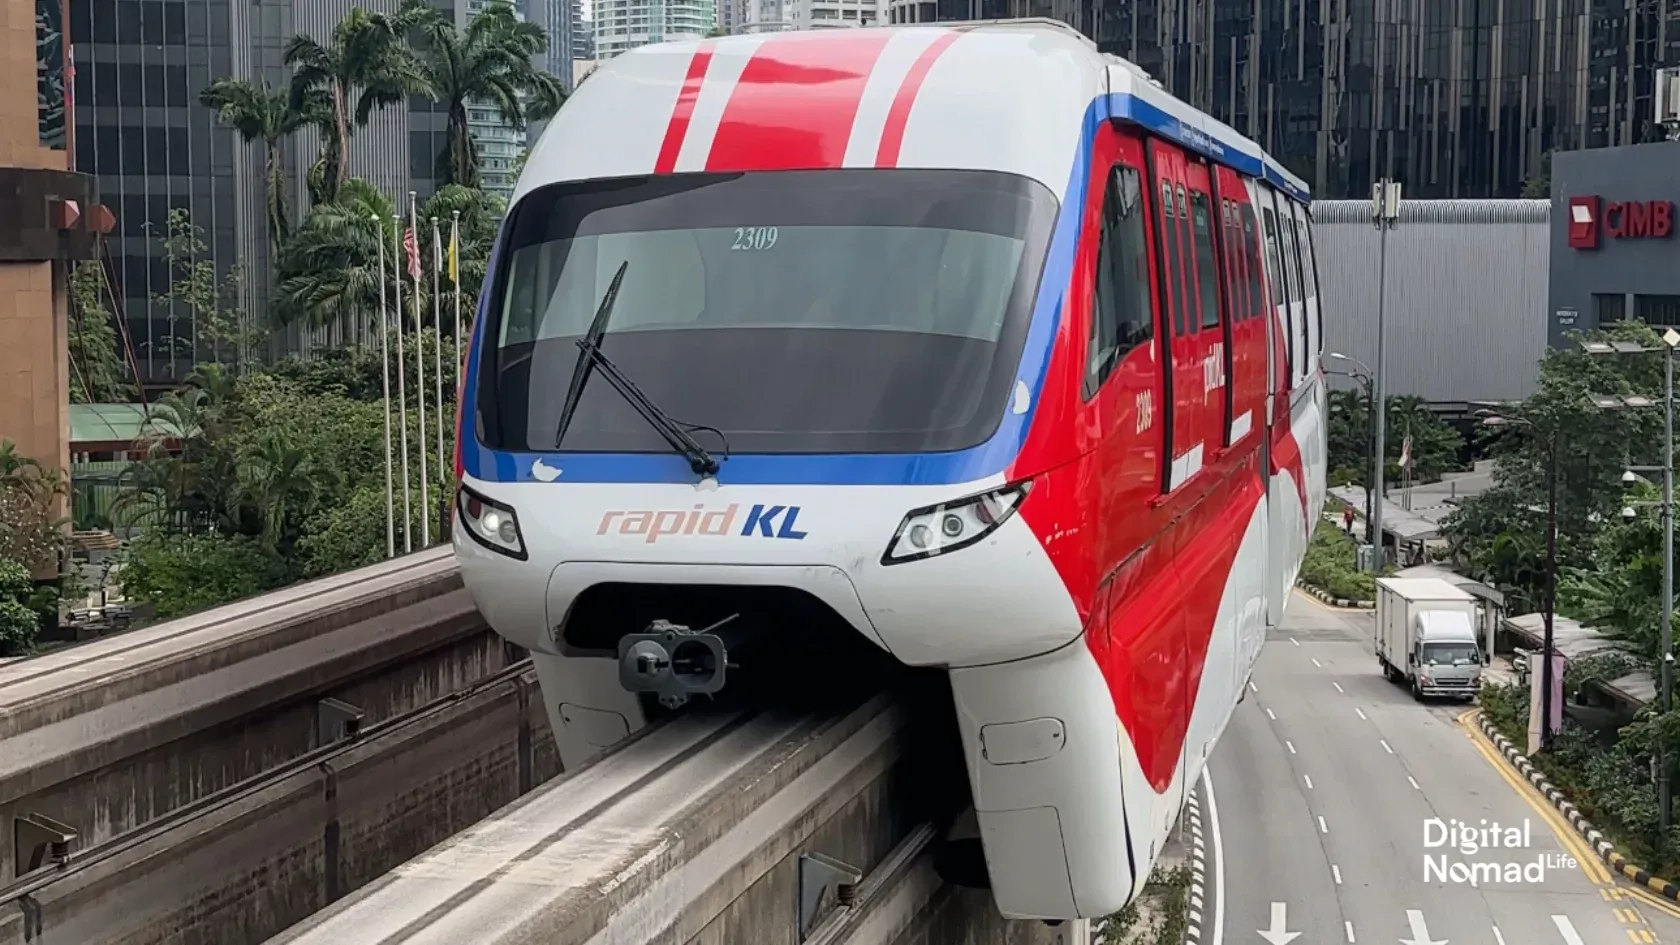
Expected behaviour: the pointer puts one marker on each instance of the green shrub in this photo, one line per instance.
(1331, 564)
(19, 625)
(183, 574)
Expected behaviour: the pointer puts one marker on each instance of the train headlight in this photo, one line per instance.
(938, 529)
(490, 523)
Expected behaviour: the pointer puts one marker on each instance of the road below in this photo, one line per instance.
(1330, 780)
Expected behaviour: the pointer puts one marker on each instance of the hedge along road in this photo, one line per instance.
(1341, 771)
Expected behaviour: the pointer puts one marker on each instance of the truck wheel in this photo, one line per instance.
(1417, 691)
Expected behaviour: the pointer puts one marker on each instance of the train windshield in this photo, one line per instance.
(834, 311)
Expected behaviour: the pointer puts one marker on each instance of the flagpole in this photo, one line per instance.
(437, 325)
(402, 391)
(420, 372)
(455, 280)
(385, 360)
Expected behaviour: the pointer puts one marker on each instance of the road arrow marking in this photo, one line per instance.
(1420, 930)
(1276, 934)
(1566, 928)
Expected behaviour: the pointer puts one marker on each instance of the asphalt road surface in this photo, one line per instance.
(1320, 796)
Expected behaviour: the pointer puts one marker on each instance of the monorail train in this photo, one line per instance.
(981, 341)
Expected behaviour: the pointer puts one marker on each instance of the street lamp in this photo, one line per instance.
(1495, 420)
(1385, 216)
(1361, 373)
(1670, 341)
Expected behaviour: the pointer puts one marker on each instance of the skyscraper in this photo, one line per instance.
(140, 66)
(1454, 98)
(622, 25)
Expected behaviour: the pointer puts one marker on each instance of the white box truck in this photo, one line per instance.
(1426, 637)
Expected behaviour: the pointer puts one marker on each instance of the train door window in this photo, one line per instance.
(1310, 246)
(1251, 252)
(1297, 296)
(1186, 261)
(1235, 289)
(1124, 317)
(1279, 286)
(1171, 291)
(1207, 275)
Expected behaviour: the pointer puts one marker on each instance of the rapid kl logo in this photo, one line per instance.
(761, 521)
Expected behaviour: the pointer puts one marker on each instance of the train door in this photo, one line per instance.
(1285, 521)
(1181, 351)
(1291, 247)
(1278, 293)
(1213, 345)
(1246, 302)
(1123, 383)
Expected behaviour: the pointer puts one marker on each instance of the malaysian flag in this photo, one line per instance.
(411, 246)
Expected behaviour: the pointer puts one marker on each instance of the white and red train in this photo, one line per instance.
(1005, 358)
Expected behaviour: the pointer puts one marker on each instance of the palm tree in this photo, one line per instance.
(367, 60)
(283, 481)
(329, 270)
(481, 215)
(488, 62)
(258, 113)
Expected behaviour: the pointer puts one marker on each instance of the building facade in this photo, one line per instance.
(139, 128)
(1464, 300)
(622, 25)
(1615, 254)
(1454, 98)
(809, 14)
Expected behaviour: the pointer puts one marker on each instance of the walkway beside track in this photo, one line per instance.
(104, 737)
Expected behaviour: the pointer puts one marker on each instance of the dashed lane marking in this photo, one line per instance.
(1361, 713)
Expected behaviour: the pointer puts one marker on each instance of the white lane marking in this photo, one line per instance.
(1361, 713)
(1322, 826)
(1252, 687)
(1317, 663)
(1308, 779)
(1348, 926)
(1218, 859)
(1338, 687)
(1498, 936)
(1385, 745)
(1336, 871)
(1567, 930)
(1294, 641)
(1290, 745)
(1414, 783)
(1271, 715)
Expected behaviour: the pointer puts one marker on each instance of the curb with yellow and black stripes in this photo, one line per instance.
(1595, 839)
(1334, 601)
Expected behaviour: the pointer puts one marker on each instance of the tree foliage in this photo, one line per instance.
(1435, 444)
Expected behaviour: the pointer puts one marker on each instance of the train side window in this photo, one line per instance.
(1124, 316)
(1173, 290)
(1312, 251)
(1251, 248)
(1280, 288)
(1201, 215)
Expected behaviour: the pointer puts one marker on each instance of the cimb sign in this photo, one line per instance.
(1635, 219)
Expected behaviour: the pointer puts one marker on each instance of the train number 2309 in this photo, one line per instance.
(753, 238)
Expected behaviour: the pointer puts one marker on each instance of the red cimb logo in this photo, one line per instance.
(1583, 222)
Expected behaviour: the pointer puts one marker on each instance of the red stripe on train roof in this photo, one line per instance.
(677, 130)
(795, 102)
(892, 135)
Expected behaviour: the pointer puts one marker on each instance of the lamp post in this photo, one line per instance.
(1494, 420)
(1385, 214)
(1670, 341)
(1362, 374)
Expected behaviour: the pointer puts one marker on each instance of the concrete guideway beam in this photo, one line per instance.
(112, 734)
(694, 829)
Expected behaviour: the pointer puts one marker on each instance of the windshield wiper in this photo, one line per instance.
(591, 356)
(581, 370)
